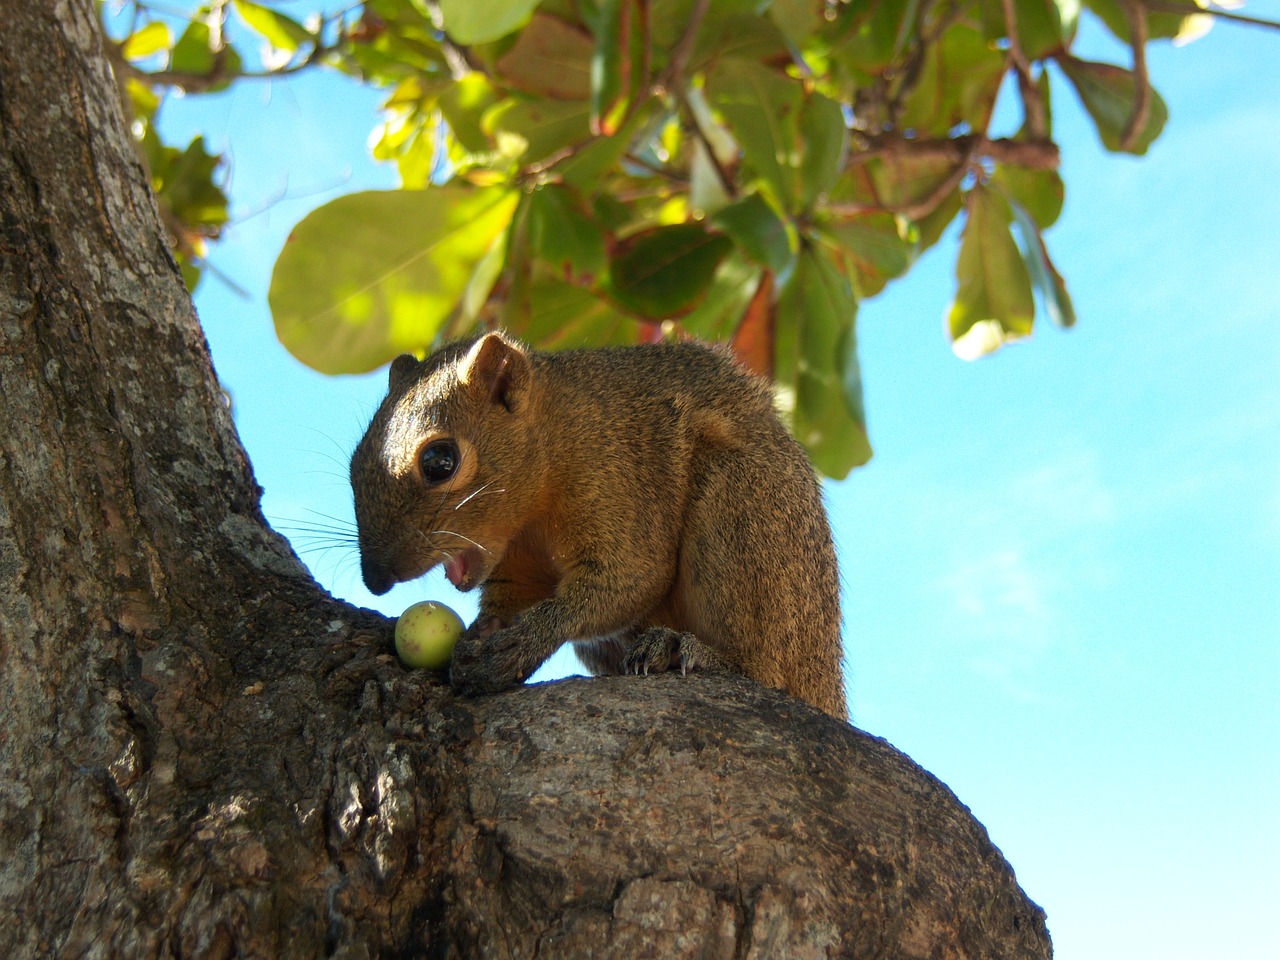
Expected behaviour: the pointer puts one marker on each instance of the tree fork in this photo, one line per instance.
(202, 754)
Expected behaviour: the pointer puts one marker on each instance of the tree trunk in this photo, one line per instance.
(204, 755)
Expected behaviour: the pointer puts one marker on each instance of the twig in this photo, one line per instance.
(726, 182)
(1032, 106)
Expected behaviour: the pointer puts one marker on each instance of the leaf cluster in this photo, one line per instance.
(612, 171)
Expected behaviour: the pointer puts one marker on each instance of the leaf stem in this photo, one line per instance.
(1137, 16)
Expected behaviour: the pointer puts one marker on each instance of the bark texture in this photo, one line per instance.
(203, 755)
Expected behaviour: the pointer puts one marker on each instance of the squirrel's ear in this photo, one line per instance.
(498, 366)
(402, 368)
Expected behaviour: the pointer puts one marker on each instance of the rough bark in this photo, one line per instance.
(204, 755)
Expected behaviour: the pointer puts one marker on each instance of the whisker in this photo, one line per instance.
(475, 493)
(453, 533)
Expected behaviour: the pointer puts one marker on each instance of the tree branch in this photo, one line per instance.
(1034, 155)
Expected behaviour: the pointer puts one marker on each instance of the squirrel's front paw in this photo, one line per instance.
(483, 661)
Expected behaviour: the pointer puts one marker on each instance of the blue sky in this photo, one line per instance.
(1062, 568)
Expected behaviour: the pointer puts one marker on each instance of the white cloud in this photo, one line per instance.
(1015, 557)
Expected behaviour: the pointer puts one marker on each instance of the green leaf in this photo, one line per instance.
(188, 189)
(618, 62)
(816, 365)
(1039, 192)
(760, 107)
(663, 272)
(586, 168)
(759, 232)
(1044, 26)
(993, 303)
(742, 36)
(558, 315)
(795, 141)
(482, 21)
(932, 226)
(1161, 25)
(1109, 94)
(541, 127)
(551, 58)
(870, 36)
(146, 42)
(797, 19)
(720, 312)
(283, 33)
(1053, 290)
(874, 248)
(564, 237)
(903, 180)
(193, 54)
(824, 140)
(463, 104)
(393, 41)
(372, 275)
(958, 84)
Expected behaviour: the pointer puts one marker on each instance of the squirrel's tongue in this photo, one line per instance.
(455, 568)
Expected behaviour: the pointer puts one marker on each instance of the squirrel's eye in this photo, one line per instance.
(438, 461)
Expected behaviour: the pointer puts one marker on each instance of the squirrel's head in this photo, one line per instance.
(442, 474)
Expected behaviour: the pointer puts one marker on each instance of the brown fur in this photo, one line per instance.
(643, 502)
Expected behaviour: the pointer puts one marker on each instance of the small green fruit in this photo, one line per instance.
(426, 633)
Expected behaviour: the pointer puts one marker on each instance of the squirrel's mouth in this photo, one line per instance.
(460, 568)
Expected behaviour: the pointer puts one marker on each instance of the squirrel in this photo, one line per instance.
(644, 502)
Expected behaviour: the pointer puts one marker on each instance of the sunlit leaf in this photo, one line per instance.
(282, 32)
(481, 21)
(993, 303)
(535, 129)
(663, 272)
(372, 275)
(463, 104)
(147, 41)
